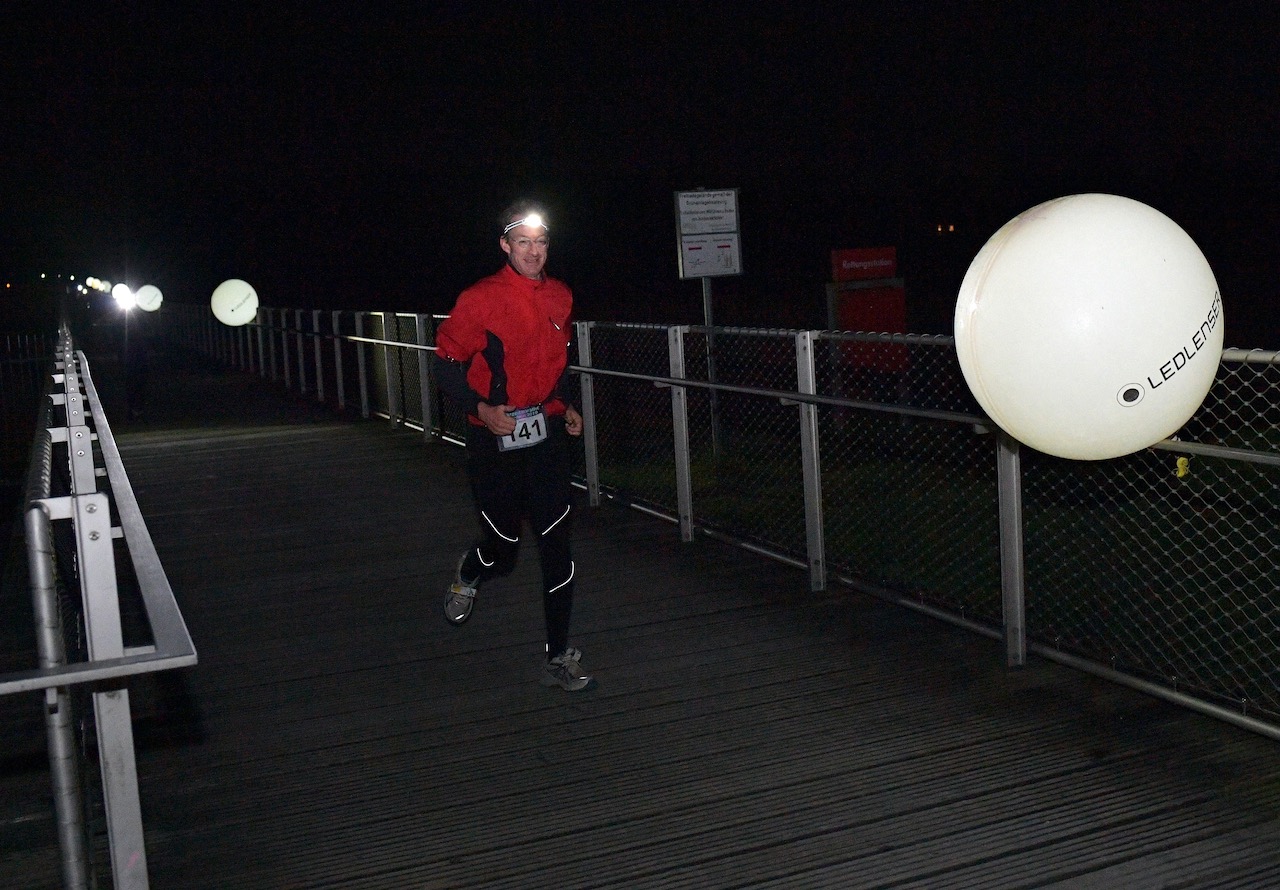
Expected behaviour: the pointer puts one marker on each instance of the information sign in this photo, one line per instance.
(707, 230)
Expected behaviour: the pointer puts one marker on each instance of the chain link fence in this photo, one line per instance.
(910, 496)
(24, 359)
(1160, 566)
(633, 422)
(746, 449)
(1164, 564)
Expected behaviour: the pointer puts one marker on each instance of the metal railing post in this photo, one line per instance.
(319, 354)
(810, 458)
(588, 390)
(302, 352)
(360, 366)
(391, 362)
(64, 766)
(263, 319)
(271, 341)
(338, 374)
(680, 431)
(286, 363)
(90, 513)
(91, 516)
(426, 379)
(1012, 564)
(91, 521)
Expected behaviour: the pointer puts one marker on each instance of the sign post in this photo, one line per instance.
(707, 235)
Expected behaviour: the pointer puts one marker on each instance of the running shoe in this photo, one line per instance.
(461, 597)
(566, 672)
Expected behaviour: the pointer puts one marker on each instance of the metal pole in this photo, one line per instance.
(271, 339)
(807, 380)
(91, 517)
(64, 768)
(391, 367)
(680, 432)
(426, 384)
(711, 367)
(302, 353)
(364, 388)
(337, 361)
(1012, 564)
(319, 353)
(284, 349)
(262, 348)
(590, 447)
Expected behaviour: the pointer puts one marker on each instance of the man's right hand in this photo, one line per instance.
(496, 418)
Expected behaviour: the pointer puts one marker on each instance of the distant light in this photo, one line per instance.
(149, 298)
(124, 296)
(42, 275)
(71, 277)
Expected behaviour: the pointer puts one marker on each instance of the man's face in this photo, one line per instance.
(526, 250)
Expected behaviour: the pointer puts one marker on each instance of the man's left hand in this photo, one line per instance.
(572, 422)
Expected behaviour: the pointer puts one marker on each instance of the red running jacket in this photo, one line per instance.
(506, 343)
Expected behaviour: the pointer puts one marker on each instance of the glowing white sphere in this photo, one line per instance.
(234, 302)
(148, 298)
(123, 296)
(1089, 327)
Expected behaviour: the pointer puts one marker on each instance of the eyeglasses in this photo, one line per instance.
(533, 220)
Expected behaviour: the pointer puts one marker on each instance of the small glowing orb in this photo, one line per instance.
(234, 302)
(148, 298)
(123, 296)
(1089, 327)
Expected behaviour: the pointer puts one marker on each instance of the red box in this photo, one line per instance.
(860, 263)
(881, 310)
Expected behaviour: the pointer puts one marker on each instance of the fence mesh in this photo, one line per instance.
(909, 500)
(634, 428)
(745, 450)
(24, 365)
(1164, 564)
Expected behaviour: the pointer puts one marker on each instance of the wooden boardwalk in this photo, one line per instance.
(337, 733)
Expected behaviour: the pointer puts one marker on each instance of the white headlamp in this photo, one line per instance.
(533, 220)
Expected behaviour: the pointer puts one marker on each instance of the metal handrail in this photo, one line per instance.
(786, 396)
(173, 647)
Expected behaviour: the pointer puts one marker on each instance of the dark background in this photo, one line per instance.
(356, 155)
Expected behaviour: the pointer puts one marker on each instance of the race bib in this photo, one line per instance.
(531, 428)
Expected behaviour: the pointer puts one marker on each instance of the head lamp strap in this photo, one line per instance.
(533, 220)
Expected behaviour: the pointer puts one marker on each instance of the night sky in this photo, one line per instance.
(358, 158)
